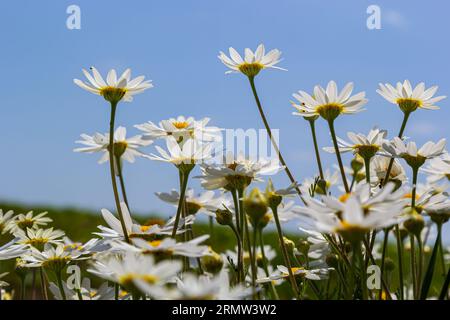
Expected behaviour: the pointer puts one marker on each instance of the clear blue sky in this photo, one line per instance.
(176, 43)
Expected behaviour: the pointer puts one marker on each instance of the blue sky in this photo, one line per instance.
(176, 43)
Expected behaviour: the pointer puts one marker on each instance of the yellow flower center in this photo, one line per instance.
(343, 198)
(127, 279)
(330, 111)
(119, 148)
(25, 223)
(113, 94)
(180, 124)
(409, 104)
(251, 69)
(366, 151)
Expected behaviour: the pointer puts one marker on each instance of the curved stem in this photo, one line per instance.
(316, 147)
(121, 181)
(251, 255)
(400, 135)
(269, 132)
(285, 252)
(240, 271)
(112, 170)
(184, 180)
(338, 155)
(400, 260)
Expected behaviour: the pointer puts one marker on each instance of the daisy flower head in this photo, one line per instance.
(379, 166)
(131, 270)
(409, 99)
(182, 129)
(38, 238)
(329, 103)
(114, 89)
(28, 220)
(253, 62)
(363, 145)
(415, 158)
(311, 186)
(12, 250)
(185, 156)
(438, 169)
(126, 149)
(282, 273)
(53, 258)
(5, 220)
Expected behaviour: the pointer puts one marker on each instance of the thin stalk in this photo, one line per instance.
(273, 290)
(112, 170)
(413, 266)
(316, 147)
(33, 285)
(184, 180)
(383, 256)
(252, 257)
(284, 251)
(400, 260)
(367, 167)
(43, 284)
(357, 255)
(444, 289)
(60, 285)
(269, 132)
(400, 135)
(236, 209)
(420, 268)
(338, 155)
(431, 265)
(211, 228)
(116, 291)
(121, 181)
(22, 288)
(414, 190)
(240, 266)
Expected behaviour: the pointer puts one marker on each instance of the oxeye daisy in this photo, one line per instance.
(311, 186)
(409, 99)
(130, 269)
(12, 250)
(53, 258)
(329, 103)
(182, 129)
(38, 238)
(5, 219)
(124, 148)
(28, 220)
(114, 89)
(253, 62)
(379, 166)
(438, 169)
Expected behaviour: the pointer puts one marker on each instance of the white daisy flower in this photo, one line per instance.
(365, 146)
(5, 220)
(136, 230)
(204, 202)
(104, 292)
(114, 89)
(54, 258)
(193, 287)
(182, 129)
(331, 179)
(410, 99)
(236, 172)
(438, 169)
(283, 273)
(329, 103)
(415, 158)
(28, 220)
(378, 169)
(190, 153)
(166, 246)
(253, 62)
(38, 238)
(125, 149)
(319, 246)
(131, 269)
(12, 250)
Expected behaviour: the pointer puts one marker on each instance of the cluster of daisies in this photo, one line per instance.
(369, 212)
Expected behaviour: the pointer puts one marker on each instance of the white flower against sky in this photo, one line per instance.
(378, 169)
(329, 103)
(123, 87)
(331, 179)
(126, 149)
(410, 99)
(191, 152)
(182, 129)
(253, 62)
(363, 145)
(135, 230)
(438, 169)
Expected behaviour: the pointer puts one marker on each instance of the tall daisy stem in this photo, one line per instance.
(60, 285)
(184, 176)
(272, 288)
(316, 147)
(338, 155)
(400, 259)
(269, 132)
(112, 170)
(285, 252)
(400, 135)
(367, 167)
(121, 181)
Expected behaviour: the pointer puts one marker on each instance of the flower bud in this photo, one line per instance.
(255, 206)
(414, 224)
(290, 245)
(303, 246)
(332, 260)
(389, 264)
(224, 217)
(213, 262)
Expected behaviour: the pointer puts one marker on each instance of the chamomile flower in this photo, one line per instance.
(53, 258)
(310, 184)
(166, 247)
(190, 153)
(438, 169)
(253, 62)
(236, 172)
(28, 220)
(409, 99)
(126, 149)
(130, 269)
(182, 129)
(364, 146)
(5, 219)
(378, 169)
(415, 158)
(104, 292)
(136, 230)
(39, 238)
(114, 89)
(298, 272)
(205, 202)
(329, 103)
(319, 246)
(12, 250)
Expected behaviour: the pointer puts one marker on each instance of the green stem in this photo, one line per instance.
(400, 260)
(431, 265)
(444, 289)
(400, 135)
(383, 257)
(184, 180)
(251, 255)
(43, 283)
(316, 148)
(22, 288)
(413, 266)
(112, 170)
(420, 269)
(414, 190)
(240, 266)
(122, 182)
(338, 155)
(269, 132)
(285, 252)
(60, 285)
(367, 167)
(236, 210)
(273, 290)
